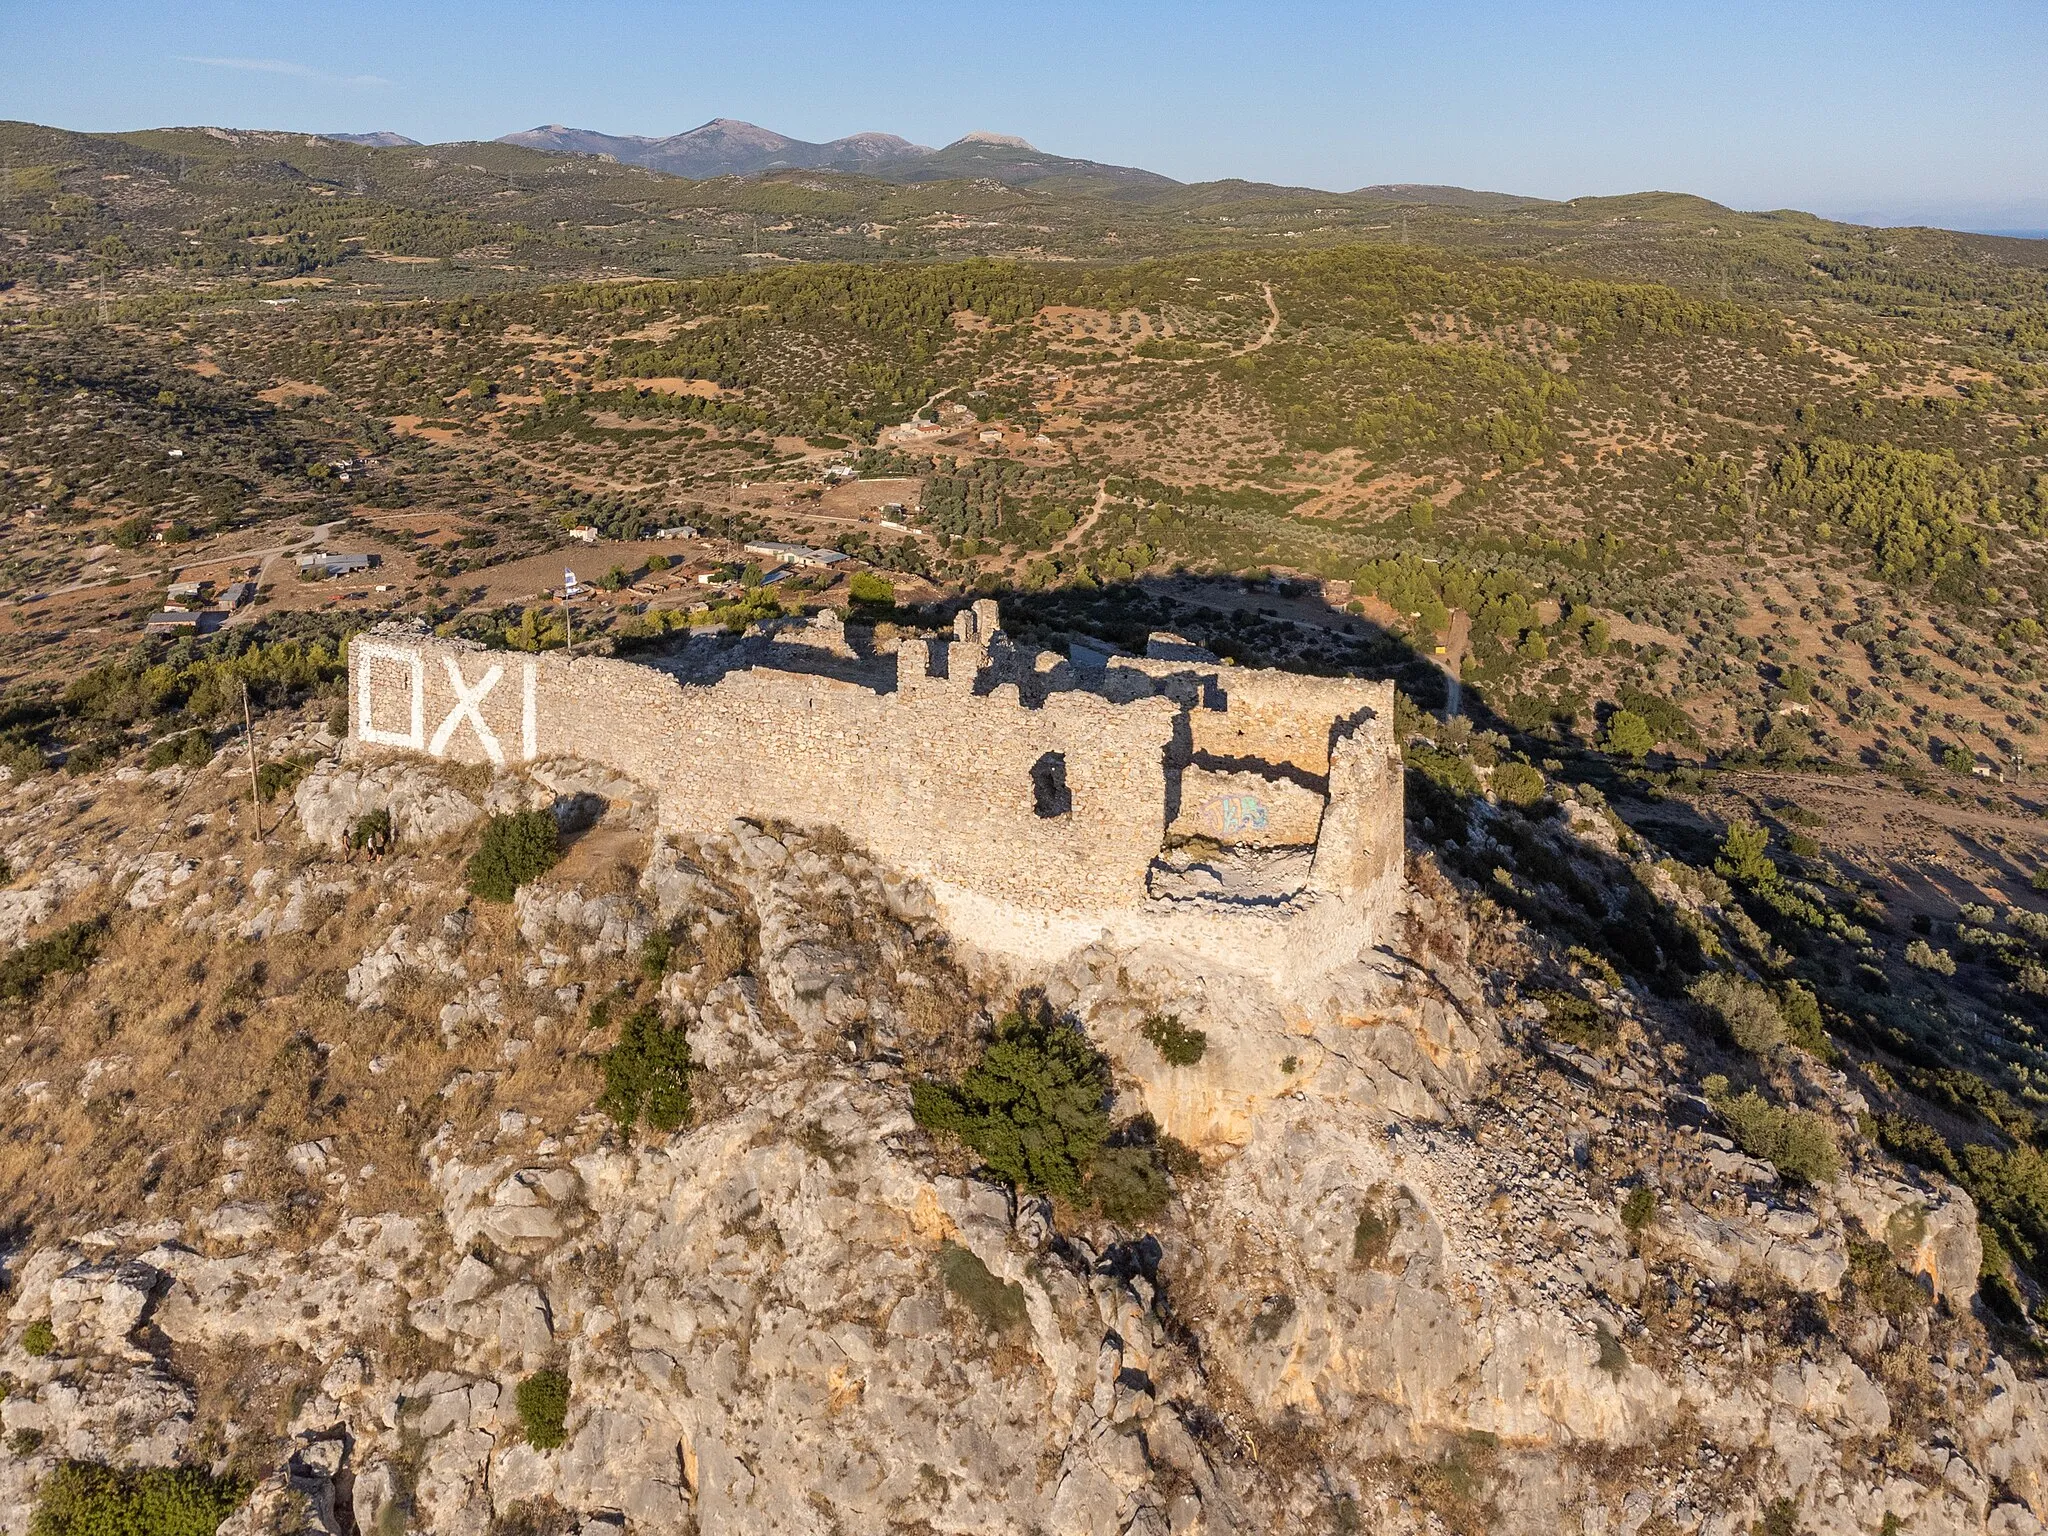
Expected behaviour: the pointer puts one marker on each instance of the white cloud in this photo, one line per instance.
(287, 67)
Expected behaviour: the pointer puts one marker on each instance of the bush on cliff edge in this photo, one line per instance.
(1032, 1107)
(1034, 1110)
(514, 850)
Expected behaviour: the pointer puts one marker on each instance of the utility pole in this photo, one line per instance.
(249, 736)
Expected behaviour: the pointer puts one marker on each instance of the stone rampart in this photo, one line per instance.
(1037, 808)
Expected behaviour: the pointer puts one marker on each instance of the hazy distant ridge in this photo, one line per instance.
(727, 147)
(382, 139)
(723, 147)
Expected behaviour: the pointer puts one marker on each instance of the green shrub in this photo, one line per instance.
(1181, 1046)
(1666, 720)
(656, 950)
(1575, 1019)
(22, 758)
(187, 749)
(866, 588)
(1744, 857)
(1746, 1010)
(1128, 1184)
(1803, 1022)
(1640, 1208)
(1879, 1280)
(372, 833)
(543, 1402)
(86, 1499)
(1927, 958)
(38, 1339)
(998, 1304)
(1628, 735)
(92, 754)
(145, 683)
(1032, 1107)
(1598, 964)
(1797, 1142)
(1439, 785)
(647, 1075)
(1518, 784)
(281, 776)
(71, 948)
(514, 850)
(25, 1442)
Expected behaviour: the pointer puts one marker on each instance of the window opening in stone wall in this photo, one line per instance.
(1049, 793)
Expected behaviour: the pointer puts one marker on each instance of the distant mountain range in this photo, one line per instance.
(723, 147)
(727, 147)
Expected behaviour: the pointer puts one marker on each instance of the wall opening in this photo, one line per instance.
(1049, 793)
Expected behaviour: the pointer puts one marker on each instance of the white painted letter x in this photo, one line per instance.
(466, 701)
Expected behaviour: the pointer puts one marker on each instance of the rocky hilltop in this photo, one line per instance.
(326, 1178)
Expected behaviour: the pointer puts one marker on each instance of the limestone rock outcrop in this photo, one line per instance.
(1394, 1288)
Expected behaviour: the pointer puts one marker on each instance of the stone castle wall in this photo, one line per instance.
(1035, 805)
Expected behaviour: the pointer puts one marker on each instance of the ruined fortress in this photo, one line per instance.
(1250, 818)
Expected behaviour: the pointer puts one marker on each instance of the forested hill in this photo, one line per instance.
(193, 206)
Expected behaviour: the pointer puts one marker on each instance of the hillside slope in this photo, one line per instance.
(1457, 1250)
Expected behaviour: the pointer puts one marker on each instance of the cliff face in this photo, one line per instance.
(304, 1178)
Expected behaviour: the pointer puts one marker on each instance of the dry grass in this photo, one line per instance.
(246, 1400)
(174, 1042)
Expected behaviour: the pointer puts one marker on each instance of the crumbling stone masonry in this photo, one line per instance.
(1250, 817)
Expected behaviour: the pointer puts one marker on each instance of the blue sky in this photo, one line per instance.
(1878, 111)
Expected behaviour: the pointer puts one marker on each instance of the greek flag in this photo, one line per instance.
(569, 587)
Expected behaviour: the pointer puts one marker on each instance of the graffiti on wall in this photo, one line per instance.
(384, 669)
(1231, 816)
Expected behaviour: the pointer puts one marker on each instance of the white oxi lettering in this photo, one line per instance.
(368, 654)
(467, 700)
(375, 663)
